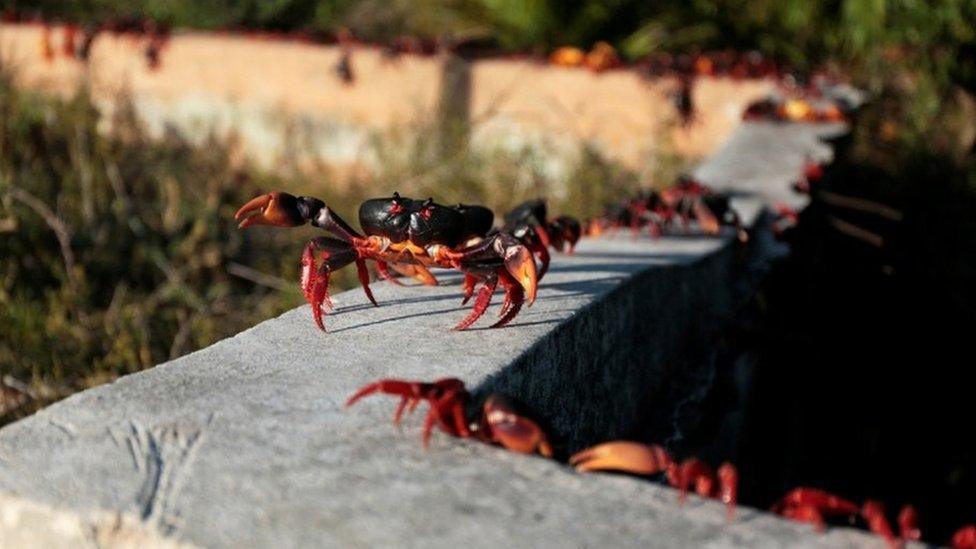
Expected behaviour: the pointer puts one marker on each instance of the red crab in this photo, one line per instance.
(499, 422)
(410, 234)
(530, 223)
(965, 537)
(814, 506)
(692, 200)
(641, 459)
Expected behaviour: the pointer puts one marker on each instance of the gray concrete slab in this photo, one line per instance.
(246, 442)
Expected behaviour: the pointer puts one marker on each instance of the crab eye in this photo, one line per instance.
(427, 212)
(396, 208)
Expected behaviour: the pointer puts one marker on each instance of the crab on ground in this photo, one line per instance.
(659, 211)
(815, 506)
(499, 422)
(530, 223)
(648, 460)
(409, 235)
(965, 537)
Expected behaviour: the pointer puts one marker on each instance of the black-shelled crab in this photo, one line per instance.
(410, 235)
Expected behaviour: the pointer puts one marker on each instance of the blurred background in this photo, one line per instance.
(132, 130)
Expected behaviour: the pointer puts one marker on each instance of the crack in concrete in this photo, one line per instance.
(162, 455)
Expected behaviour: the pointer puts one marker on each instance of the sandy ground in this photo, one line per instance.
(261, 89)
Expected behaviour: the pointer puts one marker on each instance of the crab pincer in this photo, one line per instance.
(649, 460)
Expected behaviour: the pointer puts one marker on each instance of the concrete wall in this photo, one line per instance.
(246, 442)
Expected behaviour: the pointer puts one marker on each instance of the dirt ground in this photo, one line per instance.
(258, 87)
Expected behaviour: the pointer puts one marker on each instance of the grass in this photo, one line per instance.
(119, 251)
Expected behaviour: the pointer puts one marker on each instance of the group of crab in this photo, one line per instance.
(689, 202)
(500, 421)
(412, 236)
(77, 41)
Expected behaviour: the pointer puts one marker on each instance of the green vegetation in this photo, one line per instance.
(115, 252)
(119, 251)
(74, 200)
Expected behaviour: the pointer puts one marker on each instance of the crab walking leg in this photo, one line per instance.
(363, 273)
(728, 480)
(470, 281)
(335, 254)
(383, 268)
(691, 471)
(481, 303)
(908, 523)
(444, 410)
(309, 281)
(873, 513)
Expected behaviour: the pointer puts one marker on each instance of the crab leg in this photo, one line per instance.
(908, 523)
(728, 481)
(335, 254)
(690, 471)
(364, 280)
(873, 513)
(470, 281)
(383, 268)
(481, 303)
(448, 407)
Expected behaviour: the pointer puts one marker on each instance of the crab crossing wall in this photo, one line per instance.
(246, 442)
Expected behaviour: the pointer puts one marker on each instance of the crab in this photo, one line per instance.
(529, 222)
(648, 460)
(657, 211)
(965, 537)
(814, 506)
(412, 235)
(499, 422)
(693, 200)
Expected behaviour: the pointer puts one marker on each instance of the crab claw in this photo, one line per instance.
(520, 263)
(278, 208)
(514, 432)
(627, 457)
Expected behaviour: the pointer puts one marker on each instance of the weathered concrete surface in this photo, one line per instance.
(246, 443)
(29, 524)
